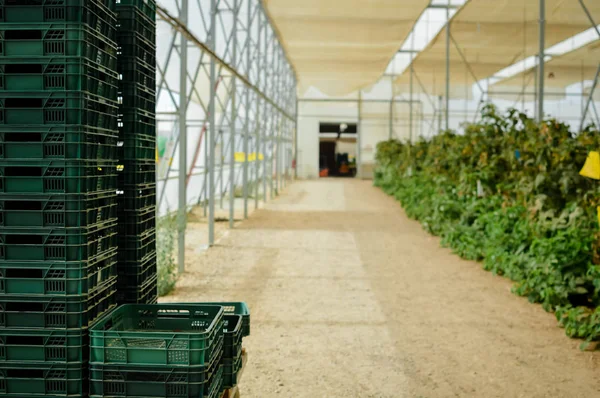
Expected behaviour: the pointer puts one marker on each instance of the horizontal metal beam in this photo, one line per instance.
(355, 100)
(182, 28)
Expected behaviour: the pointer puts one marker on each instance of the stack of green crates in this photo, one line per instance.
(158, 351)
(58, 180)
(136, 64)
(236, 326)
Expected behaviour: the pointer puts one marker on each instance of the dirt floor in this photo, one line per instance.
(350, 298)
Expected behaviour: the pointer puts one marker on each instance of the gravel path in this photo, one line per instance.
(350, 298)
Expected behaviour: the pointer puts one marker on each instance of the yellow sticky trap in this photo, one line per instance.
(598, 209)
(591, 168)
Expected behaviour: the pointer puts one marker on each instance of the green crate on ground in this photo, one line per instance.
(43, 380)
(59, 177)
(147, 382)
(89, 12)
(136, 196)
(58, 74)
(57, 108)
(231, 371)
(48, 211)
(57, 244)
(147, 7)
(45, 312)
(175, 335)
(18, 142)
(232, 339)
(50, 346)
(144, 294)
(54, 278)
(216, 384)
(236, 308)
(56, 39)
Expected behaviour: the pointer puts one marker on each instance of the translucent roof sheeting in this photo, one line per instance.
(563, 70)
(493, 35)
(340, 46)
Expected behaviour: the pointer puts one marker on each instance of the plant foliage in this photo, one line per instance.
(508, 193)
(166, 238)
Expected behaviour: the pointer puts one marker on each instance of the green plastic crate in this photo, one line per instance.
(167, 382)
(172, 335)
(56, 39)
(137, 172)
(216, 384)
(52, 11)
(57, 244)
(55, 279)
(137, 123)
(133, 19)
(19, 142)
(136, 273)
(232, 340)
(135, 45)
(136, 96)
(136, 196)
(46, 312)
(147, 7)
(134, 70)
(50, 211)
(137, 248)
(137, 147)
(58, 74)
(43, 380)
(231, 371)
(57, 177)
(236, 308)
(137, 223)
(52, 108)
(50, 346)
(144, 294)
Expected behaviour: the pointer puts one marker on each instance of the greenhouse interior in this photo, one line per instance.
(317, 198)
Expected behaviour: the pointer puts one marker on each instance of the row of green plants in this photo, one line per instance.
(507, 192)
(166, 239)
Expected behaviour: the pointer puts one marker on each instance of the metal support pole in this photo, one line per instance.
(590, 99)
(412, 74)
(410, 105)
(247, 110)
(359, 138)
(183, 101)
(589, 15)
(212, 129)
(541, 61)
(447, 110)
(236, 9)
(296, 139)
(391, 135)
(221, 166)
(440, 107)
(258, 114)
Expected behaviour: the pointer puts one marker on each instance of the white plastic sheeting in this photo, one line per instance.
(340, 46)
(493, 35)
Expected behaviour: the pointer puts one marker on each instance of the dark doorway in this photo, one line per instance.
(327, 164)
